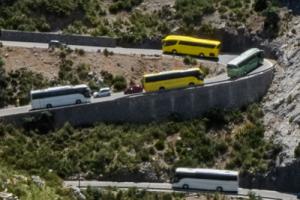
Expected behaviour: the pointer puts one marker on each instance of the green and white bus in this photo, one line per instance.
(246, 62)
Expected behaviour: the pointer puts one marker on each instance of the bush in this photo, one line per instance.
(260, 5)
(126, 5)
(3, 85)
(83, 71)
(188, 60)
(160, 145)
(80, 52)
(119, 83)
(297, 151)
(204, 69)
(192, 11)
(107, 77)
(271, 23)
(42, 122)
(106, 52)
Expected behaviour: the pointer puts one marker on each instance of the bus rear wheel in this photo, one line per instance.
(49, 106)
(78, 101)
(161, 88)
(185, 186)
(174, 52)
(219, 189)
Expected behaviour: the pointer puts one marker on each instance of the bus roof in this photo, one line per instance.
(172, 71)
(244, 56)
(207, 171)
(58, 88)
(191, 39)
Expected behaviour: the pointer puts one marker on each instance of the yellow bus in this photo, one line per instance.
(173, 79)
(177, 44)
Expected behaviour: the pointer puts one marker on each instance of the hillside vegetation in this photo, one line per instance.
(126, 20)
(145, 152)
(232, 140)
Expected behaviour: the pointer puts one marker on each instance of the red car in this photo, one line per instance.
(133, 89)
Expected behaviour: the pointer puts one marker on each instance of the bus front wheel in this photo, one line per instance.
(185, 186)
(219, 189)
(191, 84)
(201, 55)
(78, 101)
(174, 52)
(49, 106)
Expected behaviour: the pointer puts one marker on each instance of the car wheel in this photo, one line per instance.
(185, 186)
(78, 101)
(219, 189)
(49, 106)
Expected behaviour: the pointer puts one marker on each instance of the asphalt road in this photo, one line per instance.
(167, 187)
(223, 59)
(210, 81)
(119, 50)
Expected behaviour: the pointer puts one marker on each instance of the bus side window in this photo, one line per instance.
(170, 42)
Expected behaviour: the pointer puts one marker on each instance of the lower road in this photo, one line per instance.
(167, 187)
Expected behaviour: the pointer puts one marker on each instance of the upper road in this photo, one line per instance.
(119, 50)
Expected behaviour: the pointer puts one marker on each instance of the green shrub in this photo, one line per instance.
(260, 5)
(297, 151)
(204, 69)
(80, 52)
(119, 83)
(107, 77)
(126, 5)
(271, 23)
(3, 85)
(188, 60)
(106, 52)
(83, 71)
(192, 11)
(160, 145)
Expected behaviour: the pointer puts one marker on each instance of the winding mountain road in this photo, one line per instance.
(167, 187)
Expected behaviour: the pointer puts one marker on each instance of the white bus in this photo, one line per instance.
(206, 179)
(60, 96)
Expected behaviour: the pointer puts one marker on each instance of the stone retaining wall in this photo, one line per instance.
(23, 36)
